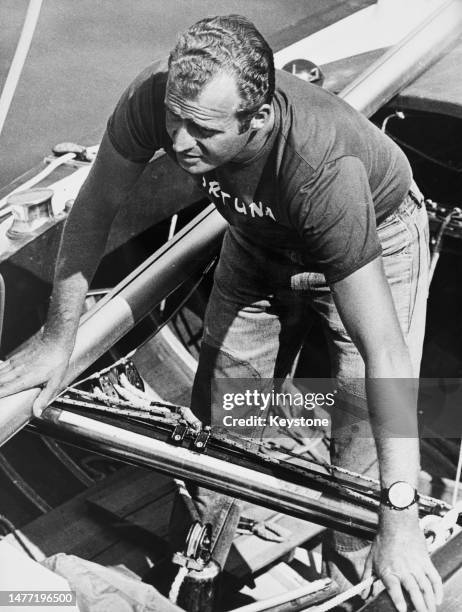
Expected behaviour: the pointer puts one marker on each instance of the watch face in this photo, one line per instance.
(401, 494)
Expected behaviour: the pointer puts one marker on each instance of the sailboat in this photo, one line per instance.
(404, 77)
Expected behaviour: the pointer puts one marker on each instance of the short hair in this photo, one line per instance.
(229, 43)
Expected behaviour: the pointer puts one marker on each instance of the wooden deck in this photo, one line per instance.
(128, 514)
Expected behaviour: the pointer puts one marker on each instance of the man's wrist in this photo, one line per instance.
(62, 323)
(59, 333)
(391, 519)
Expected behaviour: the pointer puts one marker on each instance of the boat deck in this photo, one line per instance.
(125, 518)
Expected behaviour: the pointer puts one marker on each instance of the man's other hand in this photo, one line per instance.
(41, 362)
(399, 557)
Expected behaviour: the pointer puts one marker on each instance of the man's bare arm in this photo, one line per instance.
(399, 553)
(43, 361)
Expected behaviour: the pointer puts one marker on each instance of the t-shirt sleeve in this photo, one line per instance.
(334, 214)
(136, 128)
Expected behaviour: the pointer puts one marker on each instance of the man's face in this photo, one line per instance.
(205, 131)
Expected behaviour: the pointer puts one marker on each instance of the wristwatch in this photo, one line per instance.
(399, 495)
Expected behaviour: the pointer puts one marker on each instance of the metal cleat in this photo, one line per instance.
(81, 153)
(30, 209)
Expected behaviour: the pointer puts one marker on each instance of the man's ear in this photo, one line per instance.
(261, 117)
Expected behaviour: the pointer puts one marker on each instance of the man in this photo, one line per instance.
(320, 218)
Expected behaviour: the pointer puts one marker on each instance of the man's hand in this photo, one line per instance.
(40, 363)
(399, 557)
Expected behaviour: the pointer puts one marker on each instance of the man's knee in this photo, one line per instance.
(215, 363)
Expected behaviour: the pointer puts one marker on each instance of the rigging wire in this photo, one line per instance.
(130, 354)
(23, 486)
(424, 155)
(10, 528)
(400, 115)
(19, 58)
(2, 306)
(455, 493)
(437, 245)
(67, 461)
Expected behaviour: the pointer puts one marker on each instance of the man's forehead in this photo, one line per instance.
(219, 99)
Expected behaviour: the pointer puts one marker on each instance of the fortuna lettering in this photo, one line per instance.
(253, 209)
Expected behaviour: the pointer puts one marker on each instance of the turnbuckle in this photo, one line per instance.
(266, 530)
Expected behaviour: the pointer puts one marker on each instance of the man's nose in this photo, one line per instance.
(182, 140)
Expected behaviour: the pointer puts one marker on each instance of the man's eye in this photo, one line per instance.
(171, 115)
(203, 132)
(196, 130)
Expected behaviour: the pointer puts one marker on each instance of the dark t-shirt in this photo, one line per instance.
(323, 181)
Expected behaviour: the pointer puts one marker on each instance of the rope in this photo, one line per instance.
(342, 597)
(284, 600)
(59, 161)
(22, 49)
(441, 528)
(96, 375)
(444, 527)
(176, 584)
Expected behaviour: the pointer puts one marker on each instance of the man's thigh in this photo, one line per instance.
(406, 259)
(404, 240)
(253, 328)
